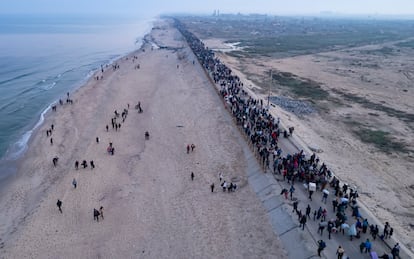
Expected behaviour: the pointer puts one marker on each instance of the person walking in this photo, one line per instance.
(310, 195)
(321, 246)
(330, 227)
(224, 185)
(285, 193)
(59, 205)
(386, 230)
(340, 252)
(324, 195)
(365, 225)
(322, 226)
(308, 211)
(303, 222)
(192, 176)
(362, 247)
(74, 183)
(395, 251)
(101, 211)
(212, 187)
(96, 215)
(368, 246)
(295, 206)
(334, 204)
(291, 191)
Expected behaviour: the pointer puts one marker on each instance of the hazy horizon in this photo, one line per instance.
(158, 7)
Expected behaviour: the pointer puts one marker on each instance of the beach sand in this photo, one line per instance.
(152, 209)
(384, 180)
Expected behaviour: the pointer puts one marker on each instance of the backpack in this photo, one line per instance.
(322, 244)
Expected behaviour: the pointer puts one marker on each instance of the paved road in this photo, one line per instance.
(298, 243)
(303, 244)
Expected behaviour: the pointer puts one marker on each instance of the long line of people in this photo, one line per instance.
(263, 132)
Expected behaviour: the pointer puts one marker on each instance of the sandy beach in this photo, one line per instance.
(152, 208)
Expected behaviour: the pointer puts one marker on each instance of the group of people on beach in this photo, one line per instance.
(263, 131)
(84, 164)
(190, 148)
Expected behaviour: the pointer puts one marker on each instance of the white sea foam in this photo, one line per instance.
(18, 148)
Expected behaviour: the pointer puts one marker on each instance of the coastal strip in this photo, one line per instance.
(151, 206)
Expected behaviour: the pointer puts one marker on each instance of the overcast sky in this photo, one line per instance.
(154, 7)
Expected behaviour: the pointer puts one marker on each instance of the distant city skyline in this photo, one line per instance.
(156, 7)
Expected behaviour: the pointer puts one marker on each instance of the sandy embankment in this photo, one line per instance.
(152, 208)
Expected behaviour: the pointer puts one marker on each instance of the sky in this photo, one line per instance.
(155, 7)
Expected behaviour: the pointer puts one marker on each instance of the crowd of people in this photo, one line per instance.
(263, 132)
(115, 125)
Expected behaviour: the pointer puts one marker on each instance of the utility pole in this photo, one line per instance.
(268, 96)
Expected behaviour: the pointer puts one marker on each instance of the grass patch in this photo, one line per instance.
(290, 36)
(404, 116)
(296, 87)
(302, 88)
(382, 140)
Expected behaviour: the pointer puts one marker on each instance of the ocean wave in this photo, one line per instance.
(24, 92)
(17, 77)
(48, 86)
(15, 110)
(16, 150)
(20, 146)
(15, 98)
(44, 83)
(7, 105)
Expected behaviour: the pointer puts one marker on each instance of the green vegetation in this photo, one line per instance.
(404, 116)
(272, 36)
(382, 140)
(302, 88)
(290, 36)
(312, 43)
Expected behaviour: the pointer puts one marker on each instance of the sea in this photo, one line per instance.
(42, 57)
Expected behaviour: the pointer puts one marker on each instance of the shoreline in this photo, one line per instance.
(16, 151)
(12, 163)
(155, 201)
